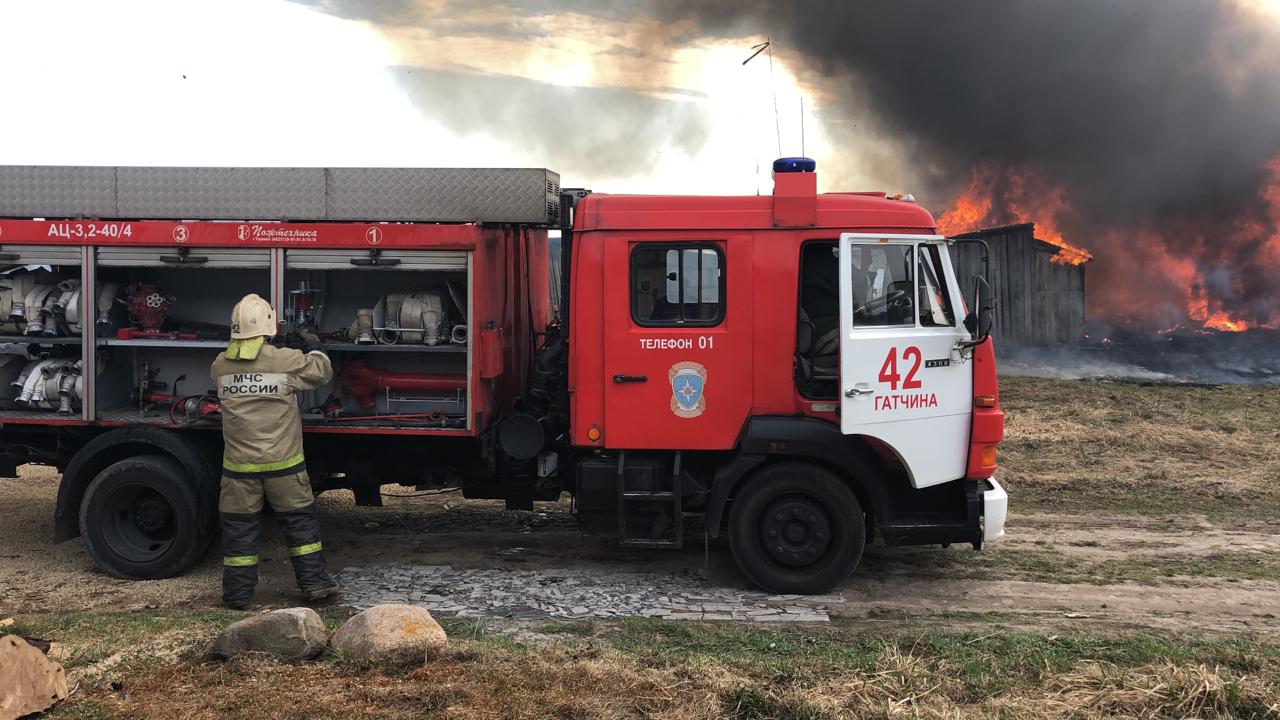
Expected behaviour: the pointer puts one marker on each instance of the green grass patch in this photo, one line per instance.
(987, 662)
(1047, 564)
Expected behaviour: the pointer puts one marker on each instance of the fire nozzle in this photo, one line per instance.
(366, 381)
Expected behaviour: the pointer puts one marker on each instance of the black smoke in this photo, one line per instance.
(1157, 116)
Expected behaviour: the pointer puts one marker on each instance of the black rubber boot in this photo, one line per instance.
(302, 534)
(240, 539)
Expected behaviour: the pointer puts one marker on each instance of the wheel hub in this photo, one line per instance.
(137, 522)
(152, 515)
(796, 531)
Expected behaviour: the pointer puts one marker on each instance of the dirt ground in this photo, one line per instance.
(1100, 568)
(1140, 577)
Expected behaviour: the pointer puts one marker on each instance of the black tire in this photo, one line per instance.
(796, 528)
(141, 519)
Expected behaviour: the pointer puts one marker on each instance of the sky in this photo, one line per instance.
(614, 104)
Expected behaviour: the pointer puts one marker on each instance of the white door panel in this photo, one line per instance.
(902, 383)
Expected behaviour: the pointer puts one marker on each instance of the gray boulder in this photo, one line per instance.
(390, 635)
(296, 633)
(29, 681)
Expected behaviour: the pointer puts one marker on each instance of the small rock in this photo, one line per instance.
(390, 635)
(29, 681)
(291, 633)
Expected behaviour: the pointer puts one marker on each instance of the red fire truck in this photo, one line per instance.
(800, 370)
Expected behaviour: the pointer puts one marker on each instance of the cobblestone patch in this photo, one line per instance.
(571, 594)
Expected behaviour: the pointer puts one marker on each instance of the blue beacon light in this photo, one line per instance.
(794, 165)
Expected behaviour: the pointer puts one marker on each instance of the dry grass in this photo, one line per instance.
(590, 680)
(1124, 447)
(654, 669)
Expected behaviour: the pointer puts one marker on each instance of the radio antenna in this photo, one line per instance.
(767, 48)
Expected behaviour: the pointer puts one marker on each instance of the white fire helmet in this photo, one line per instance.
(252, 317)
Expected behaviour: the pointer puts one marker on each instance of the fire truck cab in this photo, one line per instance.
(797, 367)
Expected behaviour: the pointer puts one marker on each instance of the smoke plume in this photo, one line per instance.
(1156, 119)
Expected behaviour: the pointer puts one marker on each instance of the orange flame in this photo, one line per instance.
(1174, 286)
(1025, 197)
(1198, 306)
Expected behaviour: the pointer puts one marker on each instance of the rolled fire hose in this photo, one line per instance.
(72, 311)
(390, 335)
(67, 387)
(50, 311)
(22, 285)
(423, 311)
(459, 335)
(6, 299)
(44, 378)
(364, 327)
(106, 300)
(34, 383)
(33, 307)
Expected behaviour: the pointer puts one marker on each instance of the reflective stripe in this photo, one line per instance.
(263, 467)
(240, 560)
(305, 549)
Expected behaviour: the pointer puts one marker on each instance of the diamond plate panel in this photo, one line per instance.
(443, 194)
(300, 194)
(35, 191)
(221, 193)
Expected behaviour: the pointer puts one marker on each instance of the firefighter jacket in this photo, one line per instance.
(261, 423)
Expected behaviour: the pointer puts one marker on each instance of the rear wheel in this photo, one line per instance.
(141, 519)
(796, 528)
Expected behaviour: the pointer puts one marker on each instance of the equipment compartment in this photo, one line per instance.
(395, 324)
(42, 320)
(167, 323)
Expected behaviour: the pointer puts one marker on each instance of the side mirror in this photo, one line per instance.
(982, 316)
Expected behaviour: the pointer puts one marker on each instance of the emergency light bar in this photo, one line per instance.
(794, 165)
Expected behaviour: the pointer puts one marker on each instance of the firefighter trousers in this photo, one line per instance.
(240, 509)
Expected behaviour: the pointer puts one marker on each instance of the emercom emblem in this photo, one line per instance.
(688, 381)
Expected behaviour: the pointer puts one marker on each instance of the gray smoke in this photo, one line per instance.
(588, 134)
(607, 133)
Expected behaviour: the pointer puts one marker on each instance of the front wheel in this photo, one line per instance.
(141, 519)
(796, 528)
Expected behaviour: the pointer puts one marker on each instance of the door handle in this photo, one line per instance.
(630, 378)
(856, 391)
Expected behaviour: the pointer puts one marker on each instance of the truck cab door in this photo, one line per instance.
(677, 342)
(903, 378)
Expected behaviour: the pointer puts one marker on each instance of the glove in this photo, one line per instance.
(310, 338)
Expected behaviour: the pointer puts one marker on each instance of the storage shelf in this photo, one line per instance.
(39, 340)
(116, 342)
(39, 415)
(156, 416)
(383, 421)
(400, 347)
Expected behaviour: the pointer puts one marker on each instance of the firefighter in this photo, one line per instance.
(262, 434)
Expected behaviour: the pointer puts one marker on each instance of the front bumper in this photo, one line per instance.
(995, 508)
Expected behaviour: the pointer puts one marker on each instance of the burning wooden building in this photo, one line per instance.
(1039, 292)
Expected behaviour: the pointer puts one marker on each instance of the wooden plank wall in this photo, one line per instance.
(1038, 302)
